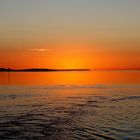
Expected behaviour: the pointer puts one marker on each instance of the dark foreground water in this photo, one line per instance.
(102, 111)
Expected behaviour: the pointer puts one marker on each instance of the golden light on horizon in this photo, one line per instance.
(70, 62)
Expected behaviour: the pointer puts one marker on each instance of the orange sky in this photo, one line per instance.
(70, 56)
(75, 34)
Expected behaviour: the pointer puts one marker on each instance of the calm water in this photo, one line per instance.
(70, 105)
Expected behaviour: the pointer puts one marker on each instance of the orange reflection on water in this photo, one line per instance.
(69, 78)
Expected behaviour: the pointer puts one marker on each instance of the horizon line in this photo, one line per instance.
(65, 69)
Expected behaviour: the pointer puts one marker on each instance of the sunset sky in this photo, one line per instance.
(96, 34)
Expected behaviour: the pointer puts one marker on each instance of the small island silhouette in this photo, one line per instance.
(39, 70)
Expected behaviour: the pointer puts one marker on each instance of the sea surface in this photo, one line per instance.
(95, 105)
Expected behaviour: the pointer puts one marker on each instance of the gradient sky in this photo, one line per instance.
(70, 33)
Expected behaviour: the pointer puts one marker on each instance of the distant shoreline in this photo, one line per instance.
(60, 70)
(40, 70)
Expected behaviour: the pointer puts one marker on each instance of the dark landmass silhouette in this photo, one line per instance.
(39, 70)
(55, 70)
